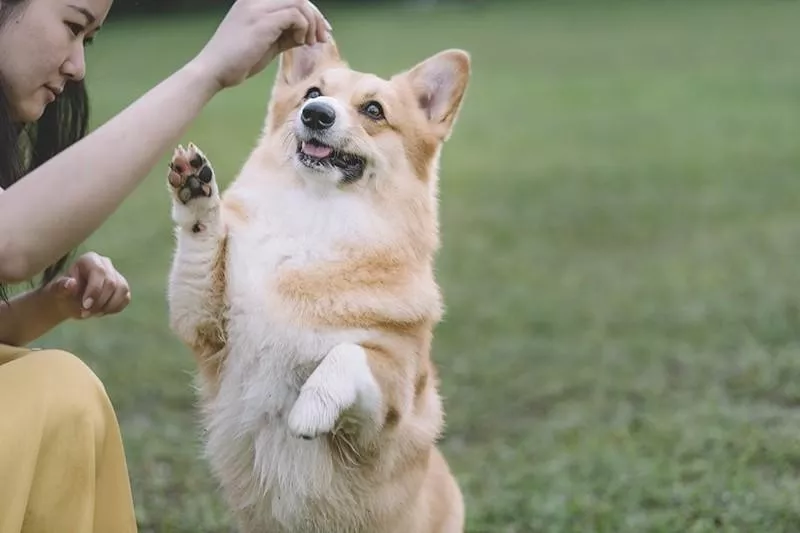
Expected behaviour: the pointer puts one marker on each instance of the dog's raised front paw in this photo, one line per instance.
(191, 175)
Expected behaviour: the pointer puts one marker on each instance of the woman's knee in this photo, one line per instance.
(73, 395)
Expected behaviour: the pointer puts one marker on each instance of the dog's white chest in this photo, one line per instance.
(269, 358)
(268, 361)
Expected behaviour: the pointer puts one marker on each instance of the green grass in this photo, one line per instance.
(621, 216)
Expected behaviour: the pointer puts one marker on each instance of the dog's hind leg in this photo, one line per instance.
(197, 280)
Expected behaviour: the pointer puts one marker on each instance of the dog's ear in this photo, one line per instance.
(438, 85)
(297, 64)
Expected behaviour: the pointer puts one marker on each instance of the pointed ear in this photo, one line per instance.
(297, 64)
(438, 85)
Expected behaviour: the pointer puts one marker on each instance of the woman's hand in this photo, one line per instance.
(91, 287)
(91, 279)
(254, 32)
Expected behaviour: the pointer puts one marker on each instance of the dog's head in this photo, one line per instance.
(357, 131)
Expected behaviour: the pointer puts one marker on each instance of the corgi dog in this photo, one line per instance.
(306, 293)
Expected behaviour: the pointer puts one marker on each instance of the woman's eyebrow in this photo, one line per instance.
(85, 12)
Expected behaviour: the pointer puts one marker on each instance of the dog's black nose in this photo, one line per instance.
(318, 116)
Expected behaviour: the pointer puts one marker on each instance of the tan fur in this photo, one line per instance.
(368, 288)
(234, 211)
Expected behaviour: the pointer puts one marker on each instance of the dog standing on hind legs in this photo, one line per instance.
(307, 295)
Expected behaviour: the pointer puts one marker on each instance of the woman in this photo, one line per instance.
(62, 463)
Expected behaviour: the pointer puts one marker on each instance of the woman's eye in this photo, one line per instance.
(76, 29)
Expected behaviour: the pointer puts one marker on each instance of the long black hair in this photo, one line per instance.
(23, 147)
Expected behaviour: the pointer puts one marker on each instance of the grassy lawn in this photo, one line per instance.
(621, 216)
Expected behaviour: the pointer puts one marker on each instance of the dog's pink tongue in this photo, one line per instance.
(315, 150)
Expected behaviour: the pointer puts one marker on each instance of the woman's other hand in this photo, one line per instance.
(254, 32)
(91, 287)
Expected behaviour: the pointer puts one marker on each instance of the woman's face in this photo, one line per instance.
(47, 38)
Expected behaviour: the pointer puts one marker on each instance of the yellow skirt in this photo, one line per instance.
(62, 464)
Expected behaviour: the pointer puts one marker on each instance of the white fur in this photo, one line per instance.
(281, 381)
(195, 255)
(343, 380)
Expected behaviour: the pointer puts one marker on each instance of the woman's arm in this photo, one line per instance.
(27, 317)
(57, 206)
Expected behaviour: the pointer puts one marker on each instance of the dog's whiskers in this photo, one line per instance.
(288, 139)
(346, 450)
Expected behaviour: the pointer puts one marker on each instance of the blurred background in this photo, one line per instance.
(620, 217)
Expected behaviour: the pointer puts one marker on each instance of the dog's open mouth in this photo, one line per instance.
(315, 154)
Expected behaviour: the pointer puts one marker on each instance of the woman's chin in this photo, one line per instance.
(29, 111)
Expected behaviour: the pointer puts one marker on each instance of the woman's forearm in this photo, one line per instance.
(61, 203)
(27, 317)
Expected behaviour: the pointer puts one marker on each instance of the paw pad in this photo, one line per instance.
(190, 174)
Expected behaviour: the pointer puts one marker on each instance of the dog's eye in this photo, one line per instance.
(373, 110)
(313, 92)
